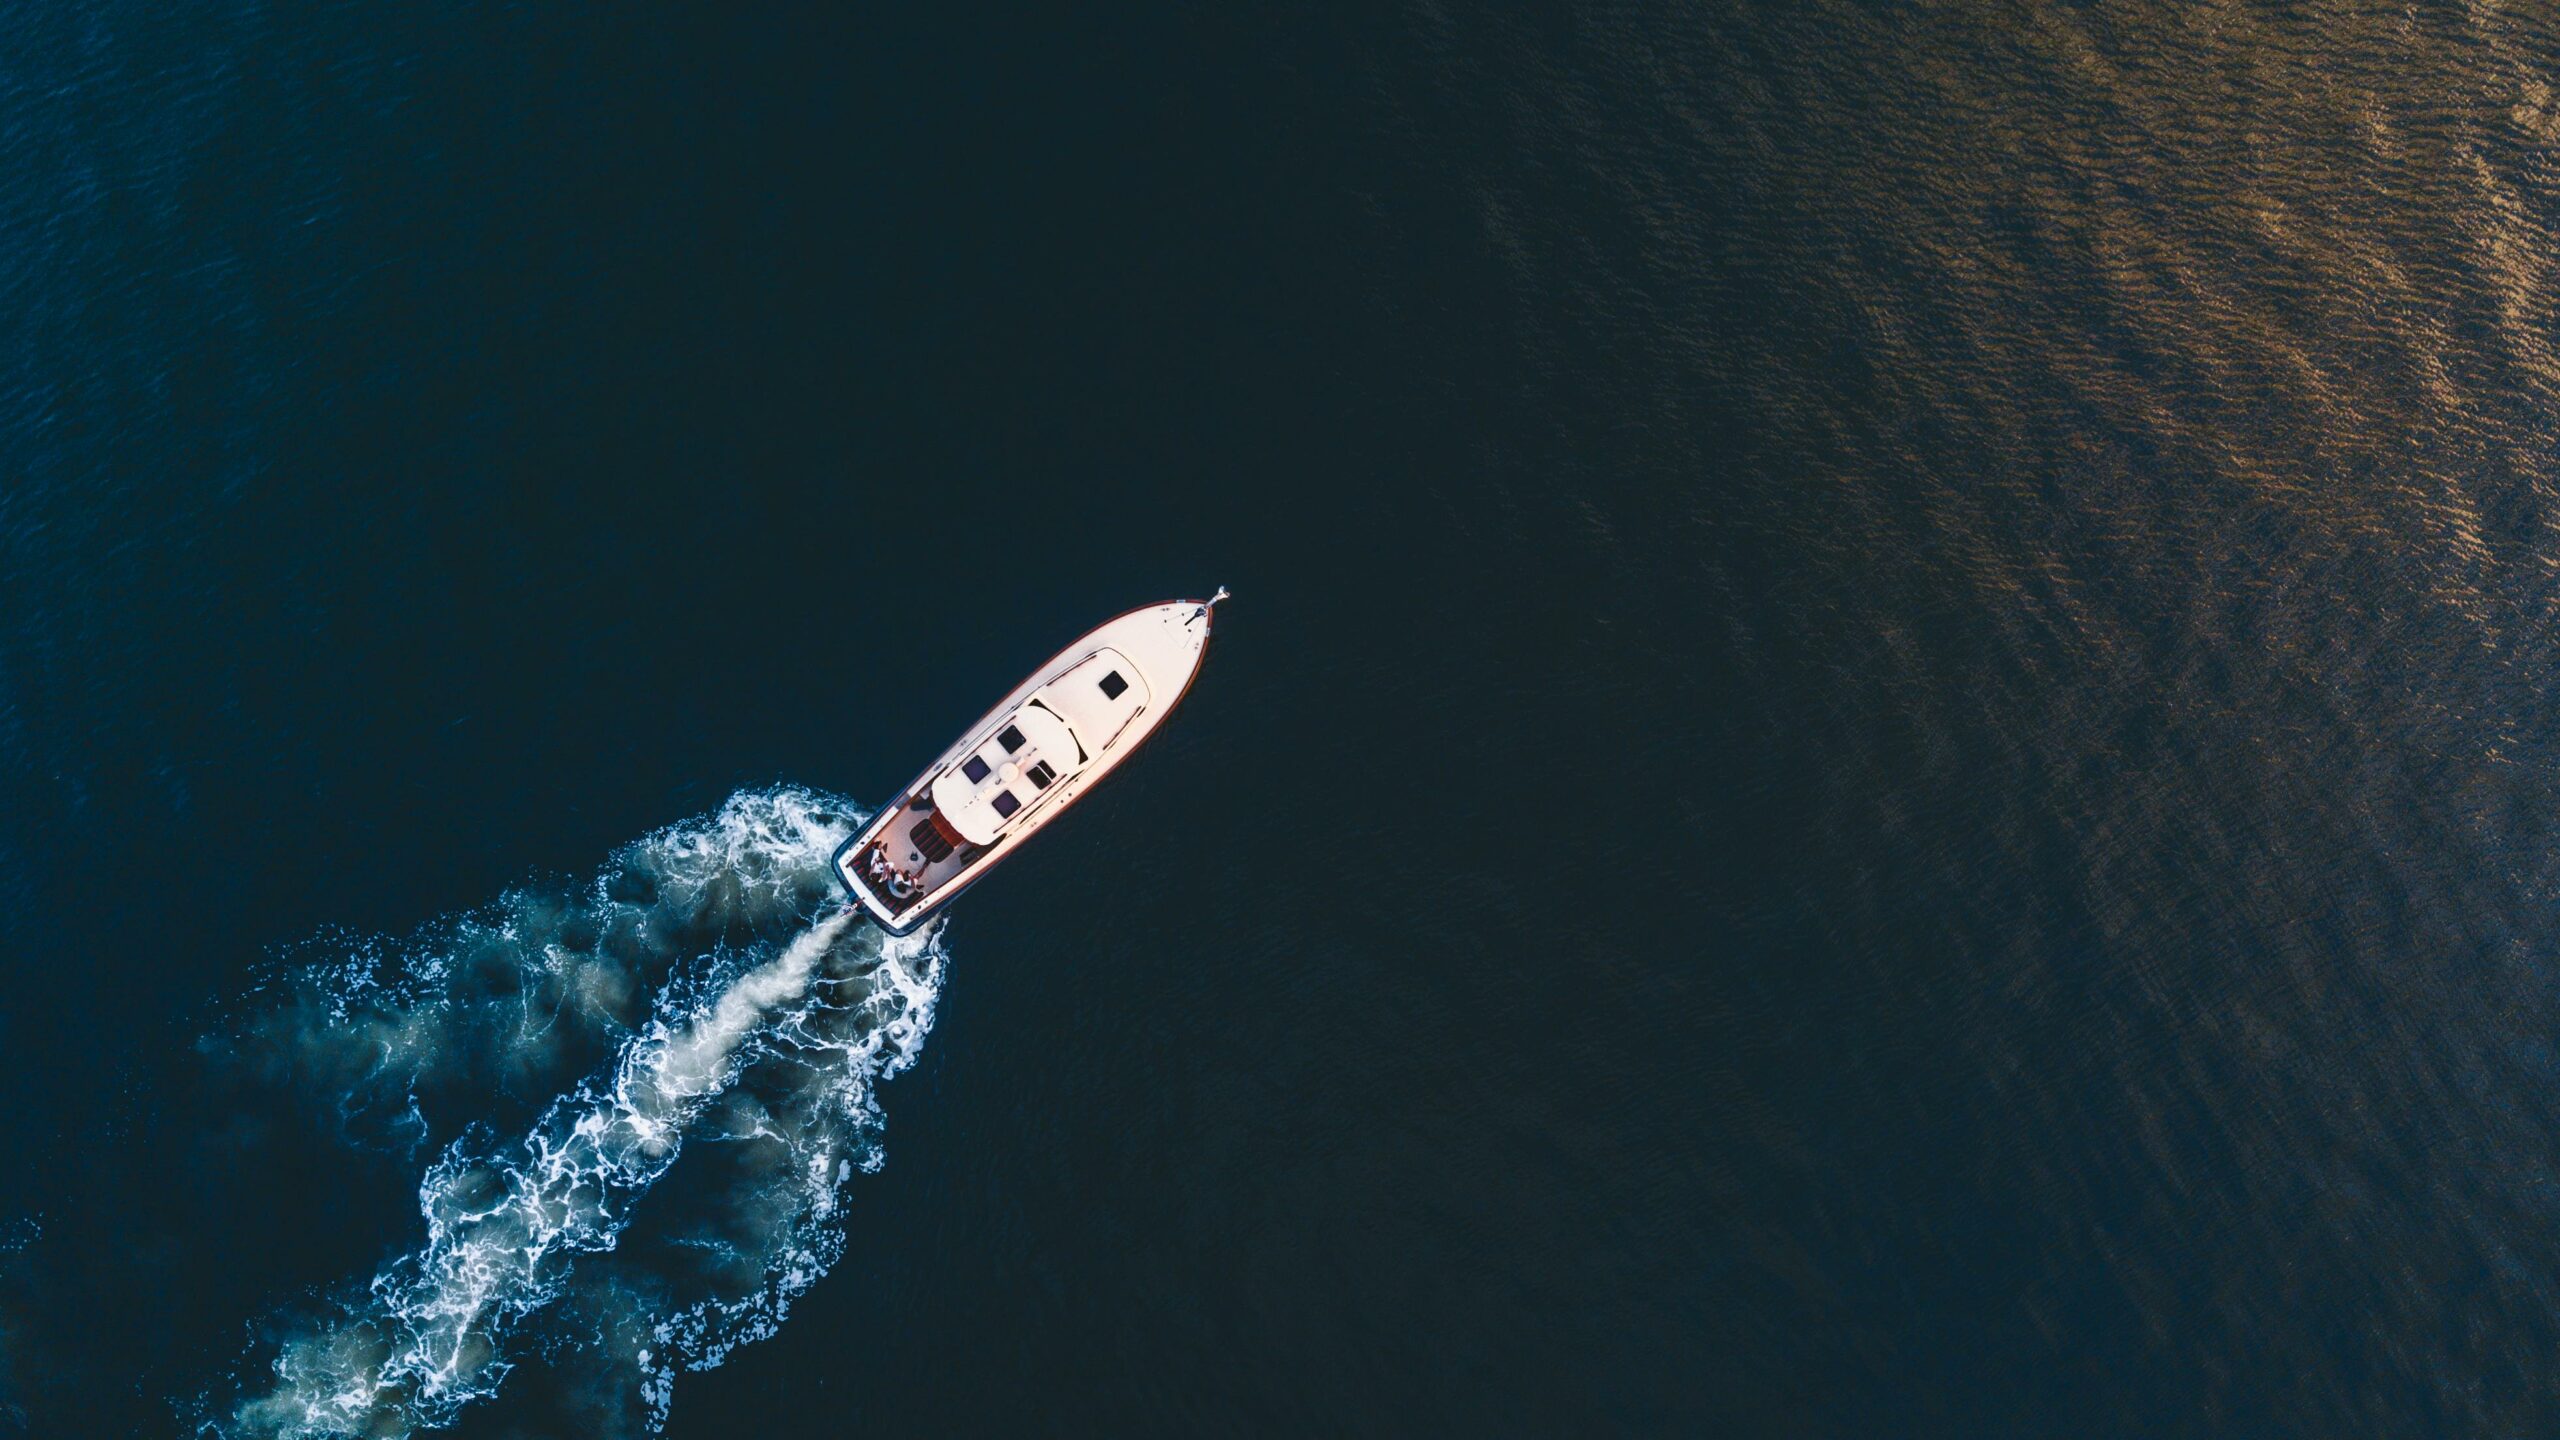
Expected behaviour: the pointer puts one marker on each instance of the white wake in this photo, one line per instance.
(814, 1023)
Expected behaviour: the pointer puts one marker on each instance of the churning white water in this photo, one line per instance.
(809, 1013)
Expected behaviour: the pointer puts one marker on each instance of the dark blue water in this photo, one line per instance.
(1883, 765)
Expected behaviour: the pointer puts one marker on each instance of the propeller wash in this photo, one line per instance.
(707, 996)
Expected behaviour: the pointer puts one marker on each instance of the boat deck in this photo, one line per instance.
(895, 843)
(1071, 723)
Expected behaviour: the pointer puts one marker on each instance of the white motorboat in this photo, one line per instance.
(1074, 721)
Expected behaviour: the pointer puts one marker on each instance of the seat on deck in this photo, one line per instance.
(934, 838)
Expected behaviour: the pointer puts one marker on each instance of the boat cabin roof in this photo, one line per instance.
(1004, 778)
(1052, 734)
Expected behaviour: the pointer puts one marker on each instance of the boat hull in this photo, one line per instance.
(1163, 643)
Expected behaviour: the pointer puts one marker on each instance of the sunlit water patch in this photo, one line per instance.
(706, 1000)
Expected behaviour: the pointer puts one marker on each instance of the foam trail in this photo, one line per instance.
(812, 1028)
(485, 1263)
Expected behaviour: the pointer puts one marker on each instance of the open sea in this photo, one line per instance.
(1885, 763)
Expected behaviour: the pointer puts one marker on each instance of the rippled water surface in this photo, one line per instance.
(1883, 766)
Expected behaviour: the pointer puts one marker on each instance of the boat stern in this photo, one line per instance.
(885, 911)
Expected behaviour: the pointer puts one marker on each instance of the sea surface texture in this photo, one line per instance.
(1886, 763)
